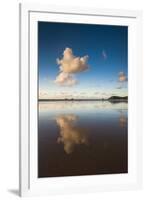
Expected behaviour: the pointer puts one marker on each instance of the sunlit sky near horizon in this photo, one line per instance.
(82, 60)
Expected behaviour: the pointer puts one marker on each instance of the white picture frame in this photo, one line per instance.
(29, 184)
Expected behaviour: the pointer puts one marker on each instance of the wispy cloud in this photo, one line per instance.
(43, 94)
(104, 54)
(119, 87)
(96, 93)
(70, 65)
(111, 80)
(82, 93)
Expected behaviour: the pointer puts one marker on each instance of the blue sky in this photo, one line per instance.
(92, 60)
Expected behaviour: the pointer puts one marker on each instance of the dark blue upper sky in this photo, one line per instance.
(106, 47)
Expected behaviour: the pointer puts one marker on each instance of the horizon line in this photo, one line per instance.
(101, 99)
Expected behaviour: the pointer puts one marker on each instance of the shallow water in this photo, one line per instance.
(82, 138)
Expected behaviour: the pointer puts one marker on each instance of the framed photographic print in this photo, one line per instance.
(80, 100)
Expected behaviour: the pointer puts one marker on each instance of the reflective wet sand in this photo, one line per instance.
(82, 138)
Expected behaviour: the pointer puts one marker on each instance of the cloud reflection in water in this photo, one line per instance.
(70, 134)
(123, 120)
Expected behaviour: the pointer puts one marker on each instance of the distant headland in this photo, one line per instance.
(117, 98)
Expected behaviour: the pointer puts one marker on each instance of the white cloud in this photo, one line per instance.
(122, 77)
(65, 79)
(70, 65)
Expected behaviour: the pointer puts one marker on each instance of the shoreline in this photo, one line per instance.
(74, 100)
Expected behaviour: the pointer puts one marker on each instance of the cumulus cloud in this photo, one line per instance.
(122, 77)
(70, 135)
(65, 79)
(68, 66)
(71, 64)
